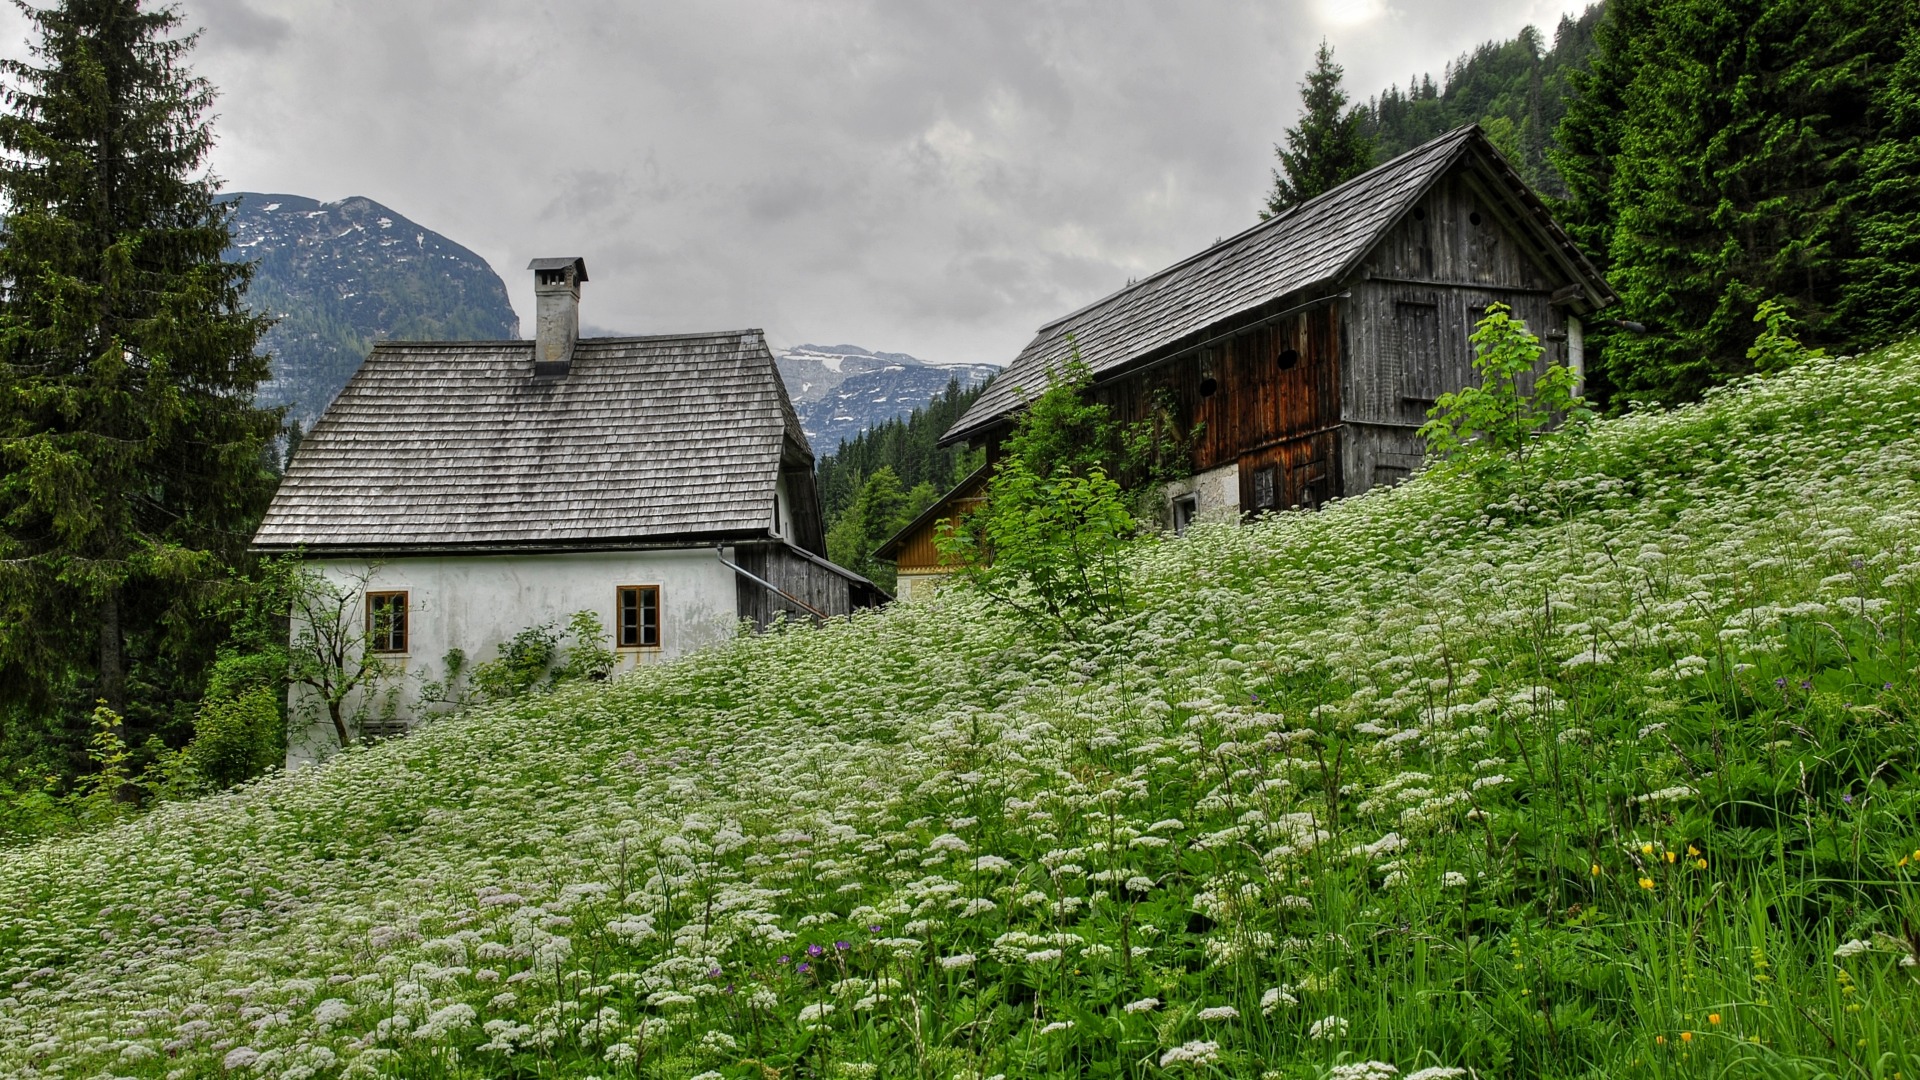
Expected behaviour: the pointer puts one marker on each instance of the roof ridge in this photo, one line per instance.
(692, 335)
(1275, 221)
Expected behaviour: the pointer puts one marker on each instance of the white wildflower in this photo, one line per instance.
(1274, 998)
(1437, 1072)
(1057, 1025)
(1363, 1070)
(1668, 794)
(959, 960)
(1220, 1012)
(1328, 1027)
(1143, 1005)
(1192, 1053)
(1849, 950)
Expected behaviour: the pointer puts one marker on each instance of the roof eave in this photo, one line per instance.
(898, 540)
(544, 546)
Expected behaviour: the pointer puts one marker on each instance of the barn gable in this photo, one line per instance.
(1314, 251)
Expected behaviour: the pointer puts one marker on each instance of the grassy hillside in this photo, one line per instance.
(1619, 784)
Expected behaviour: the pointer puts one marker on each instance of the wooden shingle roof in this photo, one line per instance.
(1313, 246)
(453, 445)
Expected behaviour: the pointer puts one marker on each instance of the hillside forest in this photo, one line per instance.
(1588, 751)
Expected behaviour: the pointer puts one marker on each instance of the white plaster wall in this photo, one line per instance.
(477, 602)
(1216, 492)
(1577, 354)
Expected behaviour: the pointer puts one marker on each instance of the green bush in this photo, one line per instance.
(237, 738)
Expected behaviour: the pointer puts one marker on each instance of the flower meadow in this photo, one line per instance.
(1611, 777)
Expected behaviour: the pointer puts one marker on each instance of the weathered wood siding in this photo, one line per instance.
(827, 592)
(1268, 398)
(1413, 311)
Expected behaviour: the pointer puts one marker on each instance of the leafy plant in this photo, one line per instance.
(522, 665)
(1047, 539)
(1777, 349)
(1490, 429)
(587, 655)
(237, 738)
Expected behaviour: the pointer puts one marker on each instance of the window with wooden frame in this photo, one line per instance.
(387, 622)
(1266, 488)
(638, 620)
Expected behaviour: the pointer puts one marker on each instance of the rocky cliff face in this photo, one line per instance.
(341, 276)
(841, 390)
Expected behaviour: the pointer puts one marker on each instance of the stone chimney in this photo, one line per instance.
(556, 320)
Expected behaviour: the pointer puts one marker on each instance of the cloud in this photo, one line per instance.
(234, 24)
(933, 178)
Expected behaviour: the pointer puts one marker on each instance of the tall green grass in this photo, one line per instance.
(1615, 778)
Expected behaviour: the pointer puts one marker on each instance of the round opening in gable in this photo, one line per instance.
(1288, 358)
(1474, 217)
(1208, 386)
(1419, 213)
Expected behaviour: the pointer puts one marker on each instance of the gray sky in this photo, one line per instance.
(932, 178)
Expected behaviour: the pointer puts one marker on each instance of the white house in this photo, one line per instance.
(460, 492)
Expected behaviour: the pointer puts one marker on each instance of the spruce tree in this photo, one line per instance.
(1880, 297)
(1328, 147)
(1712, 164)
(135, 463)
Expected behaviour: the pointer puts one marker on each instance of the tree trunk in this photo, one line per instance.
(113, 659)
(339, 725)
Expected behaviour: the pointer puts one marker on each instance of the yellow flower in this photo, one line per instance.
(1596, 868)
(1646, 883)
(1646, 849)
(1713, 1018)
(1686, 1036)
(1670, 856)
(1701, 863)
(1691, 850)
(1660, 1040)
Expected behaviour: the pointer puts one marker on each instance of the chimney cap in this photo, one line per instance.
(578, 264)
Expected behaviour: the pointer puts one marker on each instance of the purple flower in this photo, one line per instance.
(729, 988)
(784, 959)
(1781, 682)
(843, 946)
(714, 974)
(803, 967)
(1847, 798)
(1806, 684)
(1886, 686)
(814, 950)
(873, 929)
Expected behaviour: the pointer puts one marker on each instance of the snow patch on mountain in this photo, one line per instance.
(841, 390)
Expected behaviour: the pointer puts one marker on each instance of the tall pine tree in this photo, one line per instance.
(1712, 158)
(135, 464)
(1328, 147)
(1880, 298)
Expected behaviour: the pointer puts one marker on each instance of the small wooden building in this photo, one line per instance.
(1307, 350)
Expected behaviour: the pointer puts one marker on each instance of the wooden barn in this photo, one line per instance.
(1308, 349)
